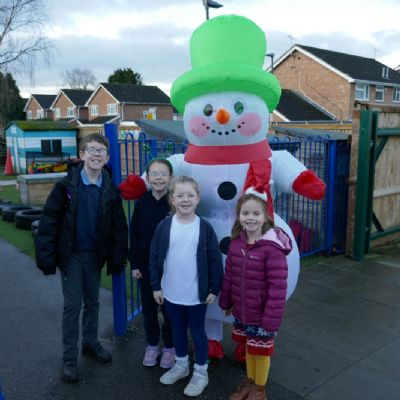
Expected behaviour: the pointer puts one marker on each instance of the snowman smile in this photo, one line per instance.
(223, 132)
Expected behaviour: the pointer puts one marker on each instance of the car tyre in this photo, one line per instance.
(24, 218)
(8, 213)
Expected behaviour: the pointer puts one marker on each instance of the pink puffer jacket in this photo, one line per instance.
(255, 279)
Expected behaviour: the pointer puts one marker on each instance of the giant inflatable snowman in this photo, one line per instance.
(226, 100)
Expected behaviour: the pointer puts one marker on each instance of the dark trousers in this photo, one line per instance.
(80, 282)
(150, 316)
(192, 317)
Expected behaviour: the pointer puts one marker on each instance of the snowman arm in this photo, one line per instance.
(285, 170)
(290, 175)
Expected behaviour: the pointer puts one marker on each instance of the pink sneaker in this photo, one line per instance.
(150, 358)
(167, 358)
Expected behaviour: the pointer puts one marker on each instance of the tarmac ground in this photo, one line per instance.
(340, 339)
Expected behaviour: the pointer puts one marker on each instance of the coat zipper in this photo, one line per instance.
(243, 300)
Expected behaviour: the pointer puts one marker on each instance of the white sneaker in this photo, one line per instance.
(178, 371)
(197, 384)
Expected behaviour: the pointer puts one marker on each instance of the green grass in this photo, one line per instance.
(23, 239)
(9, 192)
(8, 177)
(18, 237)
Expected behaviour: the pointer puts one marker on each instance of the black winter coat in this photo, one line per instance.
(54, 241)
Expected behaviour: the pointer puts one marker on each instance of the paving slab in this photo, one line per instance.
(302, 367)
(358, 383)
(385, 360)
(343, 336)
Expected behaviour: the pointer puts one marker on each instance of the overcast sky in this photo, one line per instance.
(152, 36)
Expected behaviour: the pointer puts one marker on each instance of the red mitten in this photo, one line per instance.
(133, 188)
(307, 184)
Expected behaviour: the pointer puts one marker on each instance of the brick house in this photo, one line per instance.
(129, 102)
(334, 81)
(70, 104)
(38, 106)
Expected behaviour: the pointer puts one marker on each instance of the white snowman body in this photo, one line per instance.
(226, 122)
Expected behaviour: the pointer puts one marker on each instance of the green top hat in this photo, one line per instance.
(227, 54)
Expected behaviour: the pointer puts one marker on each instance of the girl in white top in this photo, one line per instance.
(186, 274)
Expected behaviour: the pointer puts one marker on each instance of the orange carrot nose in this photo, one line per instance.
(222, 116)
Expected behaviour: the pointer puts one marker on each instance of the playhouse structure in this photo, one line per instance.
(40, 146)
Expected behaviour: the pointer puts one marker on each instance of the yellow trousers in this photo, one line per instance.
(257, 368)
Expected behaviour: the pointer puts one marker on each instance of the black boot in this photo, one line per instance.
(98, 352)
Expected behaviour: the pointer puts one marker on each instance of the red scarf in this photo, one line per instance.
(222, 155)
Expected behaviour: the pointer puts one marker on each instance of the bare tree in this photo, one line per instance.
(22, 38)
(77, 78)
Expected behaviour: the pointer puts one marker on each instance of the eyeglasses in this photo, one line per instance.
(155, 174)
(181, 196)
(93, 151)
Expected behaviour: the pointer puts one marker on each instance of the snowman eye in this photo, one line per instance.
(239, 107)
(208, 110)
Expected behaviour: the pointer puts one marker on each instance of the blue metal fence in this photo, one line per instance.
(318, 226)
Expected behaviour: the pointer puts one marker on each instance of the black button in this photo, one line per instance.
(224, 244)
(227, 190)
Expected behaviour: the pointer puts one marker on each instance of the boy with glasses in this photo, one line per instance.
(82, 227)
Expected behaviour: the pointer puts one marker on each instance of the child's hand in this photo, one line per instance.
(158, 297)
(136, 274)
(211, 298)
(227, 313)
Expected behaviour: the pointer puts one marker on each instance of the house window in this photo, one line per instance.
(151, 113)
(362, 91)
(29, 114)
(380, 93)
(39, 114)
(70, 112)
(112, 109)
(94, 109)
(396, 95)
(51, 147)
(57, 113)
(385, 72)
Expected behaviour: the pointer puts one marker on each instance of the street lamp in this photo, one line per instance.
(272, 55)
(211, 4)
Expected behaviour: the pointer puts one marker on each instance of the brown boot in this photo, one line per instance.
(243, 389)
(257, 393)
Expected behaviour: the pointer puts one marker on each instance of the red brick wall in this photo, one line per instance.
(132, 111)
(63, 103)
(101, 98)
(33, 106)
(326, 88)
(48, 114)
(83, 112)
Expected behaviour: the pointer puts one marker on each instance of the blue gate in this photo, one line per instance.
(318, 226)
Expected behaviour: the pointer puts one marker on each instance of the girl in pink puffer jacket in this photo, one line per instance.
(254, 289)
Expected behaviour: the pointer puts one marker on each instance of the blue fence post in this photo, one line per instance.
(118, 281)
(330, 207)
(153, 148)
